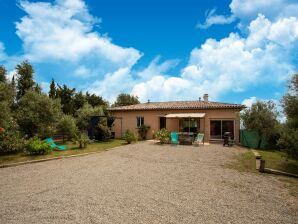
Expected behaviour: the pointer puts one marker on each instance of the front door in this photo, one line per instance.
(162, 122)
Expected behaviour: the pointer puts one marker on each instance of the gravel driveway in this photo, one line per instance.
(144, 183)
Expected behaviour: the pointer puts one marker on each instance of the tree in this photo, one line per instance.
(289, 135)
(25, 78)
(3, 74)
(66, 96)
(67, 126)
(124, 99)
(7, 95)
(52, 92)
(94, 100)
(83, 115)
(79, 100)
(261, 117)
(38, 114)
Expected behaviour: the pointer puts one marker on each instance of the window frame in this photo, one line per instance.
(221, 120)
(140, 121)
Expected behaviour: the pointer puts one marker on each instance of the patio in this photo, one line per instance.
(144, 183)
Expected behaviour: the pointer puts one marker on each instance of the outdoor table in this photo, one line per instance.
(185, 138)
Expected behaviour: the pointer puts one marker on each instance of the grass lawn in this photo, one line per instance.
(71, 150)
(246, 162)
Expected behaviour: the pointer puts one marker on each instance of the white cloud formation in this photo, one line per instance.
(212, 19)
(231, 64)
(248, 10)
(2, 52)
(249, 101)
(64, 31)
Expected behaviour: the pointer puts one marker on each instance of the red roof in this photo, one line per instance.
(177, 105)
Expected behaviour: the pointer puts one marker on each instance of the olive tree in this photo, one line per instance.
(261, 117)
(37, 114)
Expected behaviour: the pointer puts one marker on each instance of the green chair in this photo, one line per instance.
(174, 138)
(53, 145)
(199, 139)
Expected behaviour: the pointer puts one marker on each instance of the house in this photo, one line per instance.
(201, 116)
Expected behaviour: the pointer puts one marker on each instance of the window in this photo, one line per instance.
(189, 125)
(219, 127)
(140, 121)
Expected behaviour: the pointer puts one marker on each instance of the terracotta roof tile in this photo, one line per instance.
(177, 105)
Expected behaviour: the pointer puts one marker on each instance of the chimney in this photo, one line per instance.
(205, 97)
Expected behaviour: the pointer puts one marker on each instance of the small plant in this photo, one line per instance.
(143, 131)
(82, 139)
(130, 136)
(163, 135)
(35, 146)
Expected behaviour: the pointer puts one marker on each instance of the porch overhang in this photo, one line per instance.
(185, 115)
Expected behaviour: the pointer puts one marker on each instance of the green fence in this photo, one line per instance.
(251, 139)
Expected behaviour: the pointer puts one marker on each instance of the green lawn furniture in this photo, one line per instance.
(174, 138)
(53, 145)
(199, 139)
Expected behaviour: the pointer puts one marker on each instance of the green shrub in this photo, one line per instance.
(143, 131)
(130, 136)
(163, 135)
(82, 139)
(35, 146)
(10, 141)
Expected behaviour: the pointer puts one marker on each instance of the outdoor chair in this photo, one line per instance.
(199, 139)
(174, 138)
(53, 145)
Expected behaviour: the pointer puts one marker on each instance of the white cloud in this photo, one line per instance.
(45, 87)
(64, 31)
(2, 52)
(113, 83)
(249, 101)
(248, 10)
(213, 19)
(232, 64)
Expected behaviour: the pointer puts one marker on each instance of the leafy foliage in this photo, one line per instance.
(83, 115)
(82, 139)
(126, 99)
(143, 131)
(95, 101)
(52, 92)
(25, 78)
(10, 141)
(66, 96)
(289, 135)
(261, 117)
(7, 94)
(130, 136)
(3, 73)
(37, 114)
(35, 146)
(67, 126)
(163, 135)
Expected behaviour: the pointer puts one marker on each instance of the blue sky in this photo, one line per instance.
(237, 51)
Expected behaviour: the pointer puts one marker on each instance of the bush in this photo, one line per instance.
(163, 135)
(130, 136)
(82, 139)
(35, 146)
(10, 141)
(143, 131)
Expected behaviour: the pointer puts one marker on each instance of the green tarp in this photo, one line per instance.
(250, 139)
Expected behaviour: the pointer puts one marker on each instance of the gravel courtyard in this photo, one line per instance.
(144, 183)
